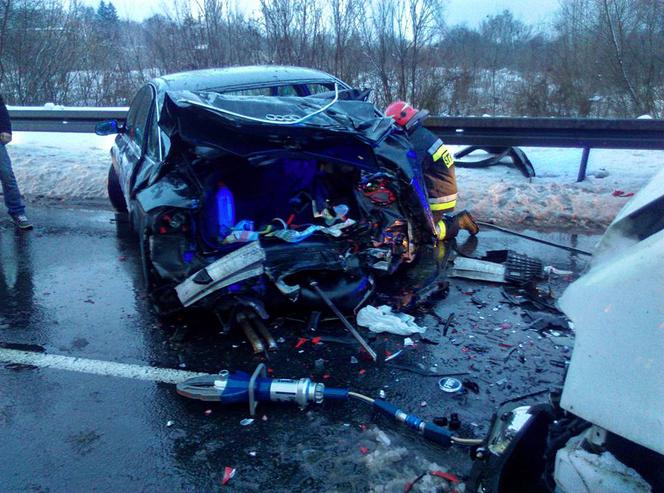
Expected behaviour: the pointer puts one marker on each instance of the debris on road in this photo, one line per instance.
(383, 319)
(446, 475)
(229, 473)
(450, 385)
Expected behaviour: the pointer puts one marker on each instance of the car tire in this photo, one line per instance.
(163, 296)
(115, 192)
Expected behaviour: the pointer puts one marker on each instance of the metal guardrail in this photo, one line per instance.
(483, 131)
(584, 133)
(550, 132)
(68, 119)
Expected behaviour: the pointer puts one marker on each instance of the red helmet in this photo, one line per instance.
(404, 114)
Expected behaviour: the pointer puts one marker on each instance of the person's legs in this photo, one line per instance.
(10, 189)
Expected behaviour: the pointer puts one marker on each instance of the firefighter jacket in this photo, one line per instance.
(438, 168)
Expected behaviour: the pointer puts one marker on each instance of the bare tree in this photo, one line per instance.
(346, 15)
(602, 57)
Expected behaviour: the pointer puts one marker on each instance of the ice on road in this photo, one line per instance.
(73, 166)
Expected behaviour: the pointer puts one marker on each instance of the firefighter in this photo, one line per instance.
(438, 167)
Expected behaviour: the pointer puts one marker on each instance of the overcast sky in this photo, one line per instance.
(470, 12)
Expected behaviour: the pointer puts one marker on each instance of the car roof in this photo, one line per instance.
(231, 77)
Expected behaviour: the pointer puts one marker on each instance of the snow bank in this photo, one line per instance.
(75, 166)
(61, 165)
(553, 199)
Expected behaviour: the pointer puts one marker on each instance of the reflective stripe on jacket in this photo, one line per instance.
(438, 167)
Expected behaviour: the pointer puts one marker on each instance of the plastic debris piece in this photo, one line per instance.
(364, 450)
(382, 394)
(392, 356)
(362, 371)
(408, 342)
(381, 437)
(446, 475)
(208, 412)
(315, 340)
(169, 423)
(264, 418)
(550, 269)
(246, 421)
(353, 360)
(383, 319)
(423, 404)
(621, 193)
(300, 342)
(252, 453)
(294, 236)
(229, 472)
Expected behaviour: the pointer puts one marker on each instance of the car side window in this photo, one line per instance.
(318, 88)
(137, 118)
(255, 91)
(153, 137)
(288, 90)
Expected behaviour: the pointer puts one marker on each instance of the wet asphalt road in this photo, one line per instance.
(73, 287)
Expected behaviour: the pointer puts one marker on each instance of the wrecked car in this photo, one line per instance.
(246, 184)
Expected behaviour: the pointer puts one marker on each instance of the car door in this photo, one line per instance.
(132, 142)
(153, 152)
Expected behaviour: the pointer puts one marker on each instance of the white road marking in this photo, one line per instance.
(96, 367)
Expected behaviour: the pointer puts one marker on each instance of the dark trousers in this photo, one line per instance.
(9, 186)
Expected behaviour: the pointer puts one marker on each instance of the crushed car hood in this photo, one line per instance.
(263, 129)
(349, 131)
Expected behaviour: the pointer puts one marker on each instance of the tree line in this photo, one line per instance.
(598, 58)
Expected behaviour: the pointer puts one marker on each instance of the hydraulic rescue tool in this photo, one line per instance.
(240, 387)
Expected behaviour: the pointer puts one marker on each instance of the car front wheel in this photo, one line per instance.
(115, 192)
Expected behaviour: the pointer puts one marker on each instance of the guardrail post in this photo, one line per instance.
(584, 164)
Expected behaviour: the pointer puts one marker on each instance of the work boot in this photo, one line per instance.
(465, 221)
(21, 221)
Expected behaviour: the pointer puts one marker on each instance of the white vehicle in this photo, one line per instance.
(606, 432)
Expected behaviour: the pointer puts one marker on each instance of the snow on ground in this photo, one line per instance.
(553, 199)
(73, 166)
(61, 165)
